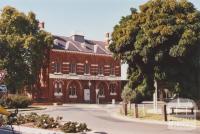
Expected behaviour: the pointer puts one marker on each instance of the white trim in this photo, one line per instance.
(79, 52)
(83, 77)
(72, 96)
(113, 94)
(57, 73)
(106, 65)
(101, 96)
(72, 74)
(65, 62)
(80, 64)
(87, 74)
(94, 65)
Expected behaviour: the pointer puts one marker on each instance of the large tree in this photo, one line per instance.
(23, 48)
(161, 42)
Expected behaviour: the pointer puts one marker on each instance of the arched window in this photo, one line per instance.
(112, 70)
(101, 90)
(112, 89)
(72, 90)
(58, 87)
(73, 68)
(86, 69)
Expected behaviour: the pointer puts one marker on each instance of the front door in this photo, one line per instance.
(87, 94)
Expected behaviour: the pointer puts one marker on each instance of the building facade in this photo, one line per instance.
(81, 70)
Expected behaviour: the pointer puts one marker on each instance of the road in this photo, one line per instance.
(100, 120)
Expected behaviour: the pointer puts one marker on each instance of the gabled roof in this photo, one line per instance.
(86, 46)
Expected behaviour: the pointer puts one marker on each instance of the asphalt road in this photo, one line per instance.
(101, 121)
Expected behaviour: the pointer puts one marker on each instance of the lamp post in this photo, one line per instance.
(97, 96)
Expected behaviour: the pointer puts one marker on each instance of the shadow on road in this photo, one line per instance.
(100, 133)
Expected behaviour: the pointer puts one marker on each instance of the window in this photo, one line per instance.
(101, 90)
(112, 70)
(100, 70)
(87, 69)
(58, 87)
(73, 68)
(58, 90)
(112, 89)
(72, 91)
(57, 67)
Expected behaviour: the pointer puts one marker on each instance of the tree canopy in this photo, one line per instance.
(161, 41)
(23, 47)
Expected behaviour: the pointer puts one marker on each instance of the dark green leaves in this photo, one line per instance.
(161, 41)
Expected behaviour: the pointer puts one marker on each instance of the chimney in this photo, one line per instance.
(78, 37)
(107, 40)
(41, 25)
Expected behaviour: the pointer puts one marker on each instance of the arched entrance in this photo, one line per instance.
(102, 92)
(74, 92)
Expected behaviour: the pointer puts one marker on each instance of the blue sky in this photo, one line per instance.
(93, 18)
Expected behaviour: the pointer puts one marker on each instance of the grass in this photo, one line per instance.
(144, 115)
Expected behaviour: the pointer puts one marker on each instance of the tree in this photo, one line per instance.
(161, 42)
(24, 48)
(127, 95)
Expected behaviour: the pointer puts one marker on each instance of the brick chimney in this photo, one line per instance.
(107, 40)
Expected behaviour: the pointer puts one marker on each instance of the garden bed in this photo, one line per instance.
(44, 121)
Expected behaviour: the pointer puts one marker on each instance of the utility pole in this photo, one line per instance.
(155, 97)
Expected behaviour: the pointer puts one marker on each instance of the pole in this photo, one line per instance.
(155, 97)
(165, 112)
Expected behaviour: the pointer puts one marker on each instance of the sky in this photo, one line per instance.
(93, 18)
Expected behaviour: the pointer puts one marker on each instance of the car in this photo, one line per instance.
(3, 88)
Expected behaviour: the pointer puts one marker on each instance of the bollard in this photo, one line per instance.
(125, 108)
(165, 112)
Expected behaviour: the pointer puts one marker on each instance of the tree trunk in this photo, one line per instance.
(136, 110)
(125, 109)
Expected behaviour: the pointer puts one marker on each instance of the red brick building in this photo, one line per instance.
(81, 70)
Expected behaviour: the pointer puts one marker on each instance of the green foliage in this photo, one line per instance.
(161, 42)
(74, 127)
(128, 94)
(17, 101)
(24, 48)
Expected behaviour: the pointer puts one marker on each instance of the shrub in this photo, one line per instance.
(74, 127)
(17, 101)
(45, 121)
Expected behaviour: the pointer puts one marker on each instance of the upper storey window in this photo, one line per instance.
(100, 70)
(58, 67)
(112, 70)
(73, 68)
(86, 68)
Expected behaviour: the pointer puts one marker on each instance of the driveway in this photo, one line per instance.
(99, 118)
